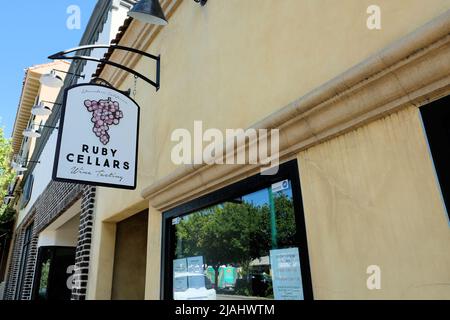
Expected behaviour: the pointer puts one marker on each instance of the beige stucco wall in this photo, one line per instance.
(370, 198)
(232, 63)
(153, 270)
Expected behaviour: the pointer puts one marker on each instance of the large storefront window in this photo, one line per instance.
(250, 243)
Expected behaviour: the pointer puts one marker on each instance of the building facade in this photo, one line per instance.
(346, 197)
(361, 188)
(23, 146)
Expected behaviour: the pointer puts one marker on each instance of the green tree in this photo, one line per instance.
(6, 173)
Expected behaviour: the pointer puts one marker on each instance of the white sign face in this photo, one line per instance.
(97, 138)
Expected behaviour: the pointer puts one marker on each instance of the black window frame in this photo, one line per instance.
(288, 170)
(436, 123)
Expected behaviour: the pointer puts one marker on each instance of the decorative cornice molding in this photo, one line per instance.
(411, 72)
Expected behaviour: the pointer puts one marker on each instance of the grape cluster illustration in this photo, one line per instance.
(104, 114)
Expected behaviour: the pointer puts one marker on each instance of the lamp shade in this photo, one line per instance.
(148, 11)
(41, 110)
(21, 169)
(18, 167)
(52, 80)
(31, 133)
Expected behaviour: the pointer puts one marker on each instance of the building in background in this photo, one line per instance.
(28, 124)
(54, 225)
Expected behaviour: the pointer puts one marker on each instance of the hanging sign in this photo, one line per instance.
(97, 138)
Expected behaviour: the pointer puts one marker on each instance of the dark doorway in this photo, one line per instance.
(53, 270)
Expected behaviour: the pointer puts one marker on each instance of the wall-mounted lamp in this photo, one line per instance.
(9, 197)
(202, 2)
(52, 80)
(19, 168)
(17, 165)
(42, 110)
(20, 164)
(33, 133)
(148, 11)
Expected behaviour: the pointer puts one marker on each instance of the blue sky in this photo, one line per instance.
(30, 33)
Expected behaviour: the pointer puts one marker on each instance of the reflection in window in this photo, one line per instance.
(225, 250)
(43, 283)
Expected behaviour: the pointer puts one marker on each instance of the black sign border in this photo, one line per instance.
(60, 132)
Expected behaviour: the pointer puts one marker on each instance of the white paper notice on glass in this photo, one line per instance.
(286, 274)
(180, 282)
(195, 264)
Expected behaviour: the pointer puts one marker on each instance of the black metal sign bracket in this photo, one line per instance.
(62, 55)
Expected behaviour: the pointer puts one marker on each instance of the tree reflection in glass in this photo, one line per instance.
(235, 237)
